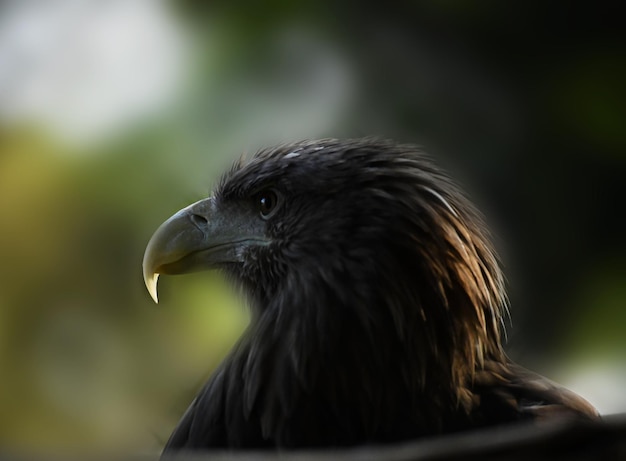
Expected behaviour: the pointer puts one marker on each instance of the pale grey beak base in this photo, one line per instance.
(199, 237)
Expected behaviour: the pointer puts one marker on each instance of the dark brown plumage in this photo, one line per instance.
(377, 299)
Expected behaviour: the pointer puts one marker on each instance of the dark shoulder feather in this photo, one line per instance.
(505, 392)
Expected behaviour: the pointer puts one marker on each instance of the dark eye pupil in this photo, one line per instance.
(267, 202)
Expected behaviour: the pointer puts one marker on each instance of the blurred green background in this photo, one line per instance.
(115, 114)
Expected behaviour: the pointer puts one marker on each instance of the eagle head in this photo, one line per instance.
(364, 263)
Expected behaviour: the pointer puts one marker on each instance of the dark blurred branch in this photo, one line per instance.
(558, 440)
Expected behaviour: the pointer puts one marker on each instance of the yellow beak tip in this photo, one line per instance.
(151, 285)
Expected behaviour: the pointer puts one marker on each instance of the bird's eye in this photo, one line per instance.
(267, 201)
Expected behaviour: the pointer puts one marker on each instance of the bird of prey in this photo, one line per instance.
(377, 304)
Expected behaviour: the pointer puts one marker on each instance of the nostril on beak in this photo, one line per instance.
(199, 221)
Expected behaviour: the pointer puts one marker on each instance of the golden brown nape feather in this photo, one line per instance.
(468, 279)
(378, 298)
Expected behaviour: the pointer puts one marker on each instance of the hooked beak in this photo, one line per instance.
(199, 237)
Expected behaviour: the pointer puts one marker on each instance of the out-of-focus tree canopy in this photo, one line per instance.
(523, 103)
